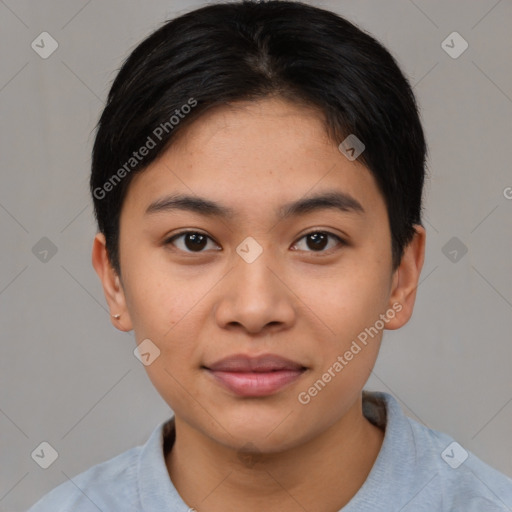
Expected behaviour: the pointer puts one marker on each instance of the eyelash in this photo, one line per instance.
(340, 240)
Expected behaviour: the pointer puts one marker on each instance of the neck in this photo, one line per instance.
(322, 474)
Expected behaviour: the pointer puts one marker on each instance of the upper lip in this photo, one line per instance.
(248, 364)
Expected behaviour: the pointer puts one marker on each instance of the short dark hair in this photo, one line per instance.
(248, 50)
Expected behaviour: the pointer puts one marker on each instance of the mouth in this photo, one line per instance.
(255, 376)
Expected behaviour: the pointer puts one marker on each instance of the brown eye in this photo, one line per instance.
(317, 241)
(192, 241)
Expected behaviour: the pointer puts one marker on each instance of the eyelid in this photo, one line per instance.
(340, 239)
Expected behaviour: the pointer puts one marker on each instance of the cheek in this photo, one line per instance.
(349, 304)
(345, 299)
(156, 298)
(166, 307)
(163, 311)
(344, 360)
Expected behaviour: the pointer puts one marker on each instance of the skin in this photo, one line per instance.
(268, 453)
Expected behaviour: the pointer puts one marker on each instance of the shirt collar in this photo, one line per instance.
(394, 461)
(156, 490)
(397, 461)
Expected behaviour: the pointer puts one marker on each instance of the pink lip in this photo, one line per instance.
(255, 376)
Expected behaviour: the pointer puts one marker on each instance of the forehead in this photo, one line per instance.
(254, 154)
(266, 124)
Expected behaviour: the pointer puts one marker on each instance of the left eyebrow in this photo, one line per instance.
(321, 201)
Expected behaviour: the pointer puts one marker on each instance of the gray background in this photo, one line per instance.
(69, 378)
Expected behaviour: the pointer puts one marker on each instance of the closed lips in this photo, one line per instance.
(255, 376)
(261, 364)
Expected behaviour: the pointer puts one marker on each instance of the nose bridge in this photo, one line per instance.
(255, 271)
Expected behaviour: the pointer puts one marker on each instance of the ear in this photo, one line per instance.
(405, 280)
(112, 286)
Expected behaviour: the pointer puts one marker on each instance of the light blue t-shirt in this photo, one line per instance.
(417, 470)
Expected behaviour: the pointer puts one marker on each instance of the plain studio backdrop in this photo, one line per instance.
(68, 378)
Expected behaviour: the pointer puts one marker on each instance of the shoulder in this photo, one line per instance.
(422, 469)
(458, 477)
(110, 485)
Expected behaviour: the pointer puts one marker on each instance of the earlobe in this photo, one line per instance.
(112, 287)
(406, 279)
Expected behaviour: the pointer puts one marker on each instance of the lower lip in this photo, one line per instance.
(256, 384)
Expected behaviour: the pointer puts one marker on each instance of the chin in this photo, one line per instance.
(266, 431)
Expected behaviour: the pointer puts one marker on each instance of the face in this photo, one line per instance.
(253, 297)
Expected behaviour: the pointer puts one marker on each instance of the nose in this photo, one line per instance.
(255, 296)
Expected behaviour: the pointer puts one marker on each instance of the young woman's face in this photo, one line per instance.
(264, 279)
